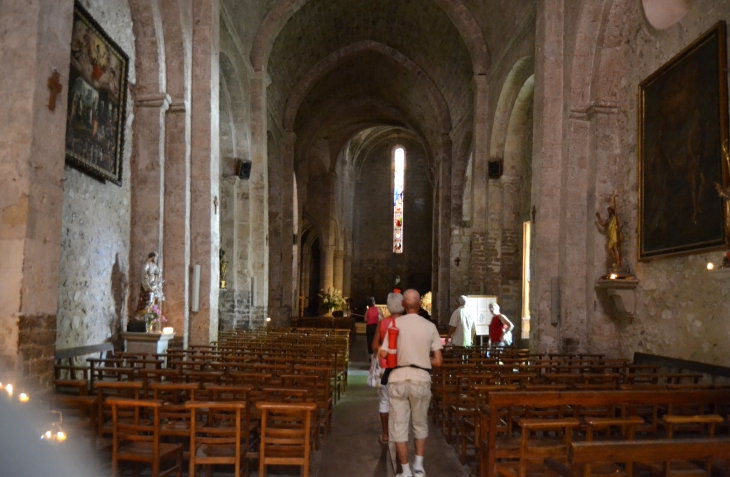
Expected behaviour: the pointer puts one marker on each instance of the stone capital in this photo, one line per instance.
(178, 106)
(154, 100)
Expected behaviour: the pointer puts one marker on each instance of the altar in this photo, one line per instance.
(149, 343)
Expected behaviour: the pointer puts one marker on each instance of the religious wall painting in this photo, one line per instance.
(682, 130)
(97, 90)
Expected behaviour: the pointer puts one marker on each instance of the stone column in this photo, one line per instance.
(480, 163)
(444, 237)
(328, 267)
(288, 261)
(276, 238)
(205, 168)
(547, 169)
(339, 270)
(435, 248)
(34, 40)
(177, 218)
(347, 275)
(148, 185)
(305, 274)
(259, 198)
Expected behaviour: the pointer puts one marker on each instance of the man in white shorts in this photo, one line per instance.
(409, 385)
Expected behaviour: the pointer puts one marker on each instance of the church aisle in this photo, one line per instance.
(353, 448)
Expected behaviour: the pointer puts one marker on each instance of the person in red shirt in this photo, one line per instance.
(498, 327)
(372, 317)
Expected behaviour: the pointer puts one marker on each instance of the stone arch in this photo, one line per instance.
(522, 69)
(457, 12)
(459, 171)
(150, 66)
(178, 50)
(518, 129)
(330, 62)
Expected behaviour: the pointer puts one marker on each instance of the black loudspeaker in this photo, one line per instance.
(495, 169)
(244, 169)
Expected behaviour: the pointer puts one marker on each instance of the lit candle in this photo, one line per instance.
(9, 389)
(23, 397)
(268, 319)
(710, 266)
(47, 435)
(167, 330)
(61, 436)
(613, 276)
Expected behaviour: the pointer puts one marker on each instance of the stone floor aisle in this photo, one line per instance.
(353, 449)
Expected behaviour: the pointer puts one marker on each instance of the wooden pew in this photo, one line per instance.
(662, 451)
(497, 403)
(65, 363)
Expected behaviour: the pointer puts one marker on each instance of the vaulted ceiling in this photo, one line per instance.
(337, 67)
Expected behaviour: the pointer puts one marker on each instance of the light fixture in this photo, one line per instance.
(9, 389)
(268, 319)
(23, 397)
(710, 266)
(613, 276)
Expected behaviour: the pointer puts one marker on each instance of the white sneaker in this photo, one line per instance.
(419, 473)
(404, 475)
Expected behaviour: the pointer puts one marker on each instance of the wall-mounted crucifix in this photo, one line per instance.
(215, 205)
(56, 87)
(457, 260)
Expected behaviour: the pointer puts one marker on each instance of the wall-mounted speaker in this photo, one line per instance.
(495, 169)
(244, 169)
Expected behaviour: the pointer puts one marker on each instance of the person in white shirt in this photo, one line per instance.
(461, 326)
(409, 385)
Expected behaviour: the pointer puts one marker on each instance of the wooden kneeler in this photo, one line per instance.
(285, 434)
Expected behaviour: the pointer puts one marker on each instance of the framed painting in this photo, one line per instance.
(682, 151)
(97, 90)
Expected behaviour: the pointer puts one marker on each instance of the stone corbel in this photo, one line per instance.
(154, 100)
(622, 293)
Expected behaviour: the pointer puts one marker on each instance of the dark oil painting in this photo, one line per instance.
(682, 130)
(96, 101)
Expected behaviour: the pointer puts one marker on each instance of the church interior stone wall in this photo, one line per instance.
(315, 93)
(94, 269)
(375, 266)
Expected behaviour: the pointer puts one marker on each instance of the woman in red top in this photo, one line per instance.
(395, 307)
(499, 325)
(372, 317)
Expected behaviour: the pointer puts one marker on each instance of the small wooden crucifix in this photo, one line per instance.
(458, 261)
(215, 204)
(56, 87)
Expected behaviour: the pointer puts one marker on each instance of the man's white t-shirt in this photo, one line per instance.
(463, 322)
(416, 339)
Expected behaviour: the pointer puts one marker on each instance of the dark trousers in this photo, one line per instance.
(370, 333)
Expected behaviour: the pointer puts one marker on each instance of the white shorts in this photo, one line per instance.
(384, 405)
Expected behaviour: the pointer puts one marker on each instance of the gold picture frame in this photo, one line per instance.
(683, 118)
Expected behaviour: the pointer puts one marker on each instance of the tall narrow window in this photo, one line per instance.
(399, 167)
(526, 280)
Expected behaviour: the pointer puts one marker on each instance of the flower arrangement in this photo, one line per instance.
(153, 317)
(426, 302)
(332, 300)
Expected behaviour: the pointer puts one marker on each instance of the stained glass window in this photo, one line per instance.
(399, 166)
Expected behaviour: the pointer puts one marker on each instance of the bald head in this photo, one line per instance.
(411, 301)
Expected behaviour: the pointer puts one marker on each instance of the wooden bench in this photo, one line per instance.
(624, 402)
(662, 451)
(65, 361)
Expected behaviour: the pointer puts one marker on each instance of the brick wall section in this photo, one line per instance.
(36, 345)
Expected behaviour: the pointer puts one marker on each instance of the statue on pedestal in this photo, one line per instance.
(151, 281)
(615, 237)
